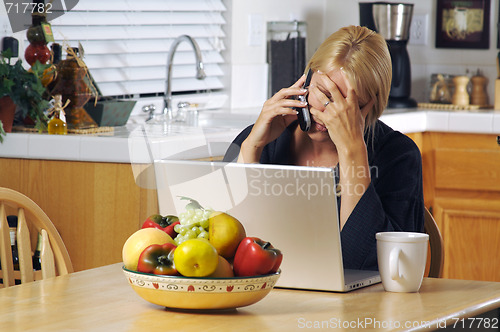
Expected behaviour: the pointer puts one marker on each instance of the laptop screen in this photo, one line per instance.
(293, 207)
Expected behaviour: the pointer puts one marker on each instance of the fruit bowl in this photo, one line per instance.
(200, 293)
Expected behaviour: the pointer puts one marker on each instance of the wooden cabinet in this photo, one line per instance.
(94, 206)
(461, 175)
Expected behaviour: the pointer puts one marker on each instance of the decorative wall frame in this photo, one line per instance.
(463, 24)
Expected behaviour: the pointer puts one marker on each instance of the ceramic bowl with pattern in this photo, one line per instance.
(200, 293)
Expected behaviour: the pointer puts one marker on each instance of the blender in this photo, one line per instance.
(392, 21)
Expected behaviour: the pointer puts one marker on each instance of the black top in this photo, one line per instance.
(392, 202)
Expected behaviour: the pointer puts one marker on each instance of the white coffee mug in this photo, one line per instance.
(402, 257)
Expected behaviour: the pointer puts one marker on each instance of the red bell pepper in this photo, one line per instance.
(166, 223)
(158, 259)
(256, 257)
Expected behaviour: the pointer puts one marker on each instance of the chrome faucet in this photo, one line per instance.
(200, 72)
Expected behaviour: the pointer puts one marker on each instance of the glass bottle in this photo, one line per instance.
(37, 262)
(37, 49)
(57, 124)
(71, 85)
(12, 221)
(56, 50)
(50, 73)
(56, 53)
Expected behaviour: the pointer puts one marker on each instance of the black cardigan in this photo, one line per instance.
(392, 202)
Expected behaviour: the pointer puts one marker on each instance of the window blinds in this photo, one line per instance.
(126, 43)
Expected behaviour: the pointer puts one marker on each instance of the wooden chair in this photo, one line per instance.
(436, 252)
(55, 259)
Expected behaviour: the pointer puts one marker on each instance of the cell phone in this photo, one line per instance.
(303, 114)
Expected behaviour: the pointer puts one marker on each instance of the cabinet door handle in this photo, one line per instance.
(498, 140)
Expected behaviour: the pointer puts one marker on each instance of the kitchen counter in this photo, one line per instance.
(128, 144)
(217, 129)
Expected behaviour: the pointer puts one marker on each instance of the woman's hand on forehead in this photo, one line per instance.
(332, 82)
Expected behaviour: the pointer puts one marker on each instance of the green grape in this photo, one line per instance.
(178, 240)
(196, 229)
(204, 223)
(183, 231)
(177, 228)
(203, 235)
(193, 221)
(182, 216)
(185, 218)
(191, 217)
(190, 234)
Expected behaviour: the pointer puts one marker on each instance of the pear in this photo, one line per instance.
(225, 233)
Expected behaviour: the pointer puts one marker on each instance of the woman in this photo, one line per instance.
(379, 170)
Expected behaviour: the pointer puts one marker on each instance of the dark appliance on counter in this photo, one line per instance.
(286, 53)
(392, 21)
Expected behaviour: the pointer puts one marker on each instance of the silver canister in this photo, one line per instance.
(393, 20)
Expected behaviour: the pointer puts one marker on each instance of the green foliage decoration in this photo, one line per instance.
(25, 88)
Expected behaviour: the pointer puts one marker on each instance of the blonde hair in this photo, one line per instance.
(365, 59)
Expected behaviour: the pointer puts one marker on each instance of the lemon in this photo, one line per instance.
(196, 258)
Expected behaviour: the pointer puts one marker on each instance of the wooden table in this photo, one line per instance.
(101, 300)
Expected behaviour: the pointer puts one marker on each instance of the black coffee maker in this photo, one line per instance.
(392, 21)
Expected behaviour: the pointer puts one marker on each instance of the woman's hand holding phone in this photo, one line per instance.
(277, 113)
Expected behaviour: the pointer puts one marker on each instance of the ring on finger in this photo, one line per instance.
(326, 104)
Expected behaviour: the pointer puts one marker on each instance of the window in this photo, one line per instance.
(126, 43)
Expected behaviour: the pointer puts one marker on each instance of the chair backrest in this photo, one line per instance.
(54, 256)
(435, 266)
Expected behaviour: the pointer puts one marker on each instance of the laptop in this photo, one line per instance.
(293, 207)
